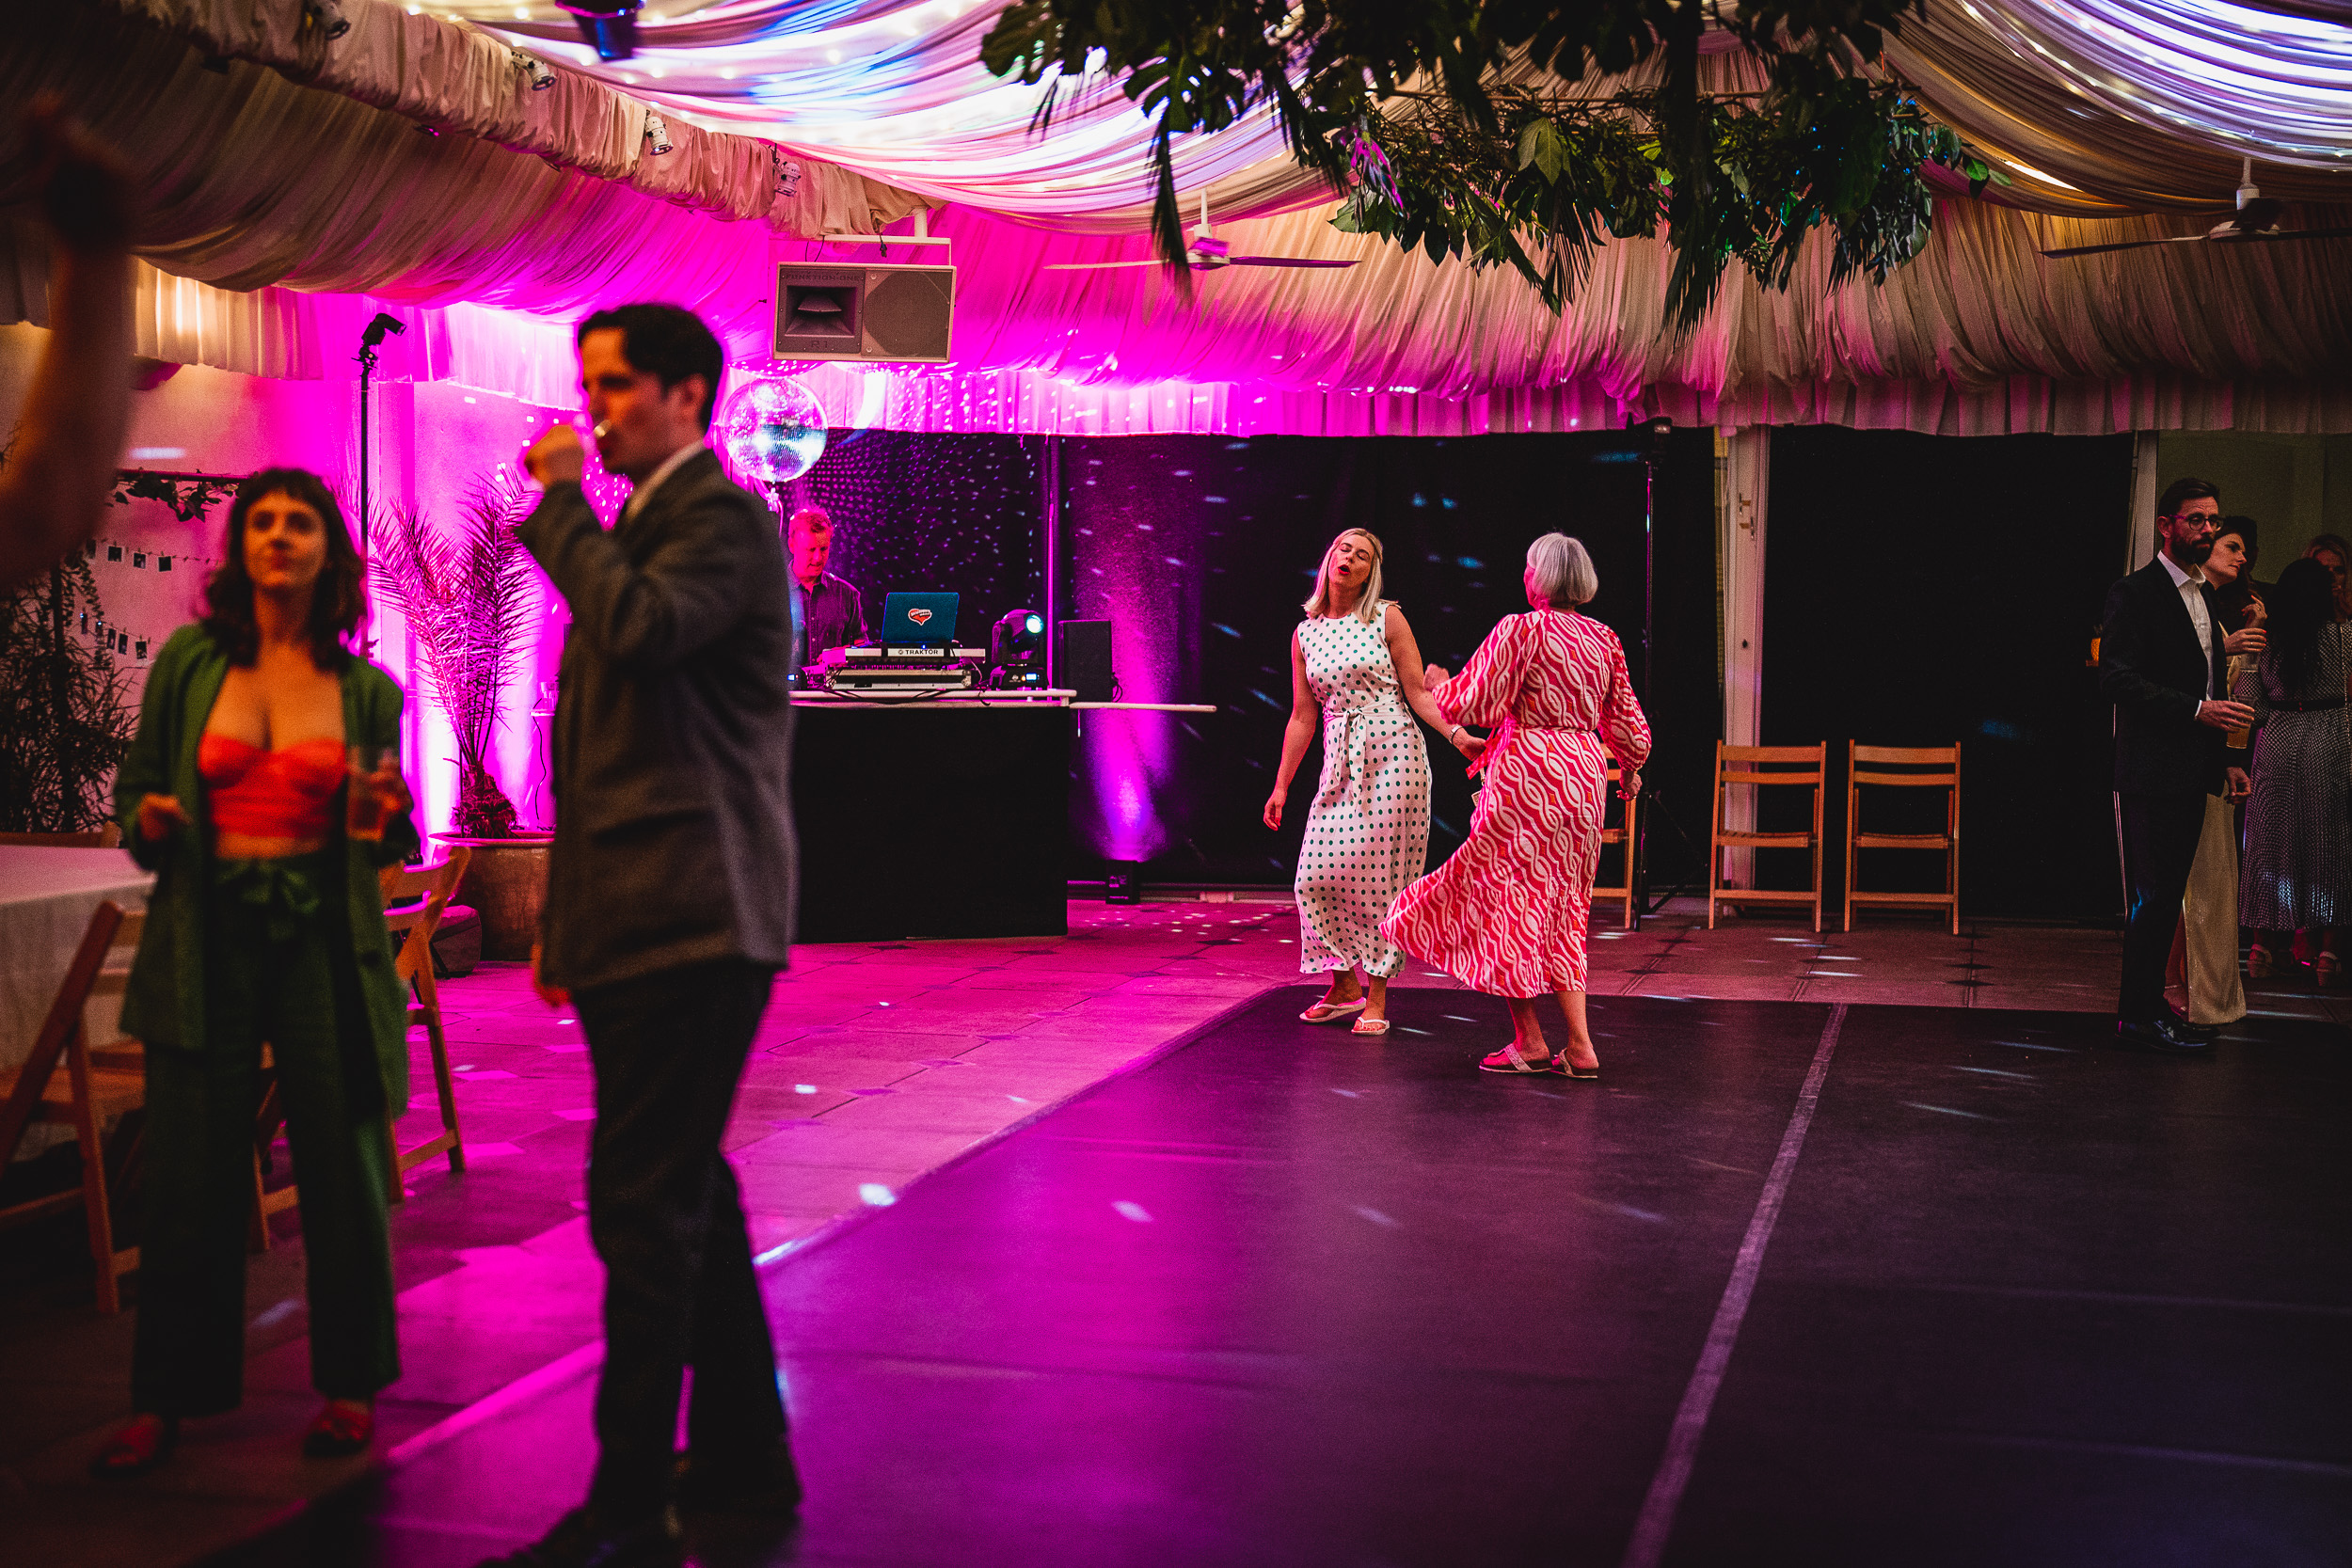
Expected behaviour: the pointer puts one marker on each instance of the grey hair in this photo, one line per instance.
(1558, 568)
(1367, 602)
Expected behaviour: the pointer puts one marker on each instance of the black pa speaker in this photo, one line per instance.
(876, 313)
(1082, 659)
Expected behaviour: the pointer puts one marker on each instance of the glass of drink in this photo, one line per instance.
(370, 803)
(2237, 740)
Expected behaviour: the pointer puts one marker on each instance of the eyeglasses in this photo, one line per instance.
(2211, 519)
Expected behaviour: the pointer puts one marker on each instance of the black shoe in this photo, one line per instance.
(2189, 1026)
(2163, 1033)
(766, 1483)
(581, 1540)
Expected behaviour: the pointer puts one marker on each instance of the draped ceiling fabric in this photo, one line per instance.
(2152, 103)
(2104, 107)
(291, 191)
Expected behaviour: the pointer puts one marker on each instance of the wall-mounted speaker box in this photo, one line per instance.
(879, 313)
(1082, 660)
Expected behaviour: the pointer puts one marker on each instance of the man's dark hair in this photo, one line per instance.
(337, 602)
(2176, 495)
(666, 343)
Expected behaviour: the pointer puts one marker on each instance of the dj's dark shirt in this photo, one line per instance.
(831, 614)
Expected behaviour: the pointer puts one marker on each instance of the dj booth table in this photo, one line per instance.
(941, 818)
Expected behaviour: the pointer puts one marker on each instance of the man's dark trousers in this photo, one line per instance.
(665, 1216)
(2160, 836)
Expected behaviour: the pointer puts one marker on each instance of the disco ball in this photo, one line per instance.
(773, 429)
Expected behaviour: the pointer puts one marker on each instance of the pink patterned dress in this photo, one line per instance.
(1508, 912)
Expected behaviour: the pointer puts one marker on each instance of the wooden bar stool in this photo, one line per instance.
(1765, 767)
(1942, 762)
(93, 1091)
(1623, 836)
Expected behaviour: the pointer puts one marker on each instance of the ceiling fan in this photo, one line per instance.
(2256, 218)
(1205, 254)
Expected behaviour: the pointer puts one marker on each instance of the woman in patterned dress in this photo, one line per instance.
(1508, 912)
(1356, 675)
(2297, 871)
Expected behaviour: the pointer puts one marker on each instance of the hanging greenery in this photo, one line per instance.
(1554, 177)
(1410, 109)
(465, 597)
(189, 496)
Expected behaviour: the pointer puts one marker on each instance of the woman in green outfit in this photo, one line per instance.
(265, 925)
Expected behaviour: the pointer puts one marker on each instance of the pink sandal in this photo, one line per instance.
(1369, 1026)
(1509, 1060)
(1330, 1012)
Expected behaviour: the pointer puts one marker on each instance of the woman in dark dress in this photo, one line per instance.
(2298, 866)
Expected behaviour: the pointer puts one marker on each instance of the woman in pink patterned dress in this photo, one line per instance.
(1508, 912)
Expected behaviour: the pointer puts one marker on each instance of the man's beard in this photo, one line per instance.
(2192, 554)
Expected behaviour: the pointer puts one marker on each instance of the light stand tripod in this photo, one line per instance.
(385, 325)
(1654, 806)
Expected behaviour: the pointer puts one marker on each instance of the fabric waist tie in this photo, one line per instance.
(284, 887)
(1344, 743)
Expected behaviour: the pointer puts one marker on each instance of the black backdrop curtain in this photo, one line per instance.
(1922, 589)
(1198, 549)
(1919, 590)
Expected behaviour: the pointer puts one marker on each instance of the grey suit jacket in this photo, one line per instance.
(673, 739)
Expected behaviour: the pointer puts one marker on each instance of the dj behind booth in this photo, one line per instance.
(930, 781)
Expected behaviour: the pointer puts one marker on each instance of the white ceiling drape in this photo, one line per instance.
(297, 173)
(2081, 91)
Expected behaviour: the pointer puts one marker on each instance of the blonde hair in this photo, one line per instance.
(1562, 572)
(1368, 602)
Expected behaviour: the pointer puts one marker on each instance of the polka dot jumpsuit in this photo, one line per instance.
(1367, 830)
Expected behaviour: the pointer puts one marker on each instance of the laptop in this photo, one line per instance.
(919, 621)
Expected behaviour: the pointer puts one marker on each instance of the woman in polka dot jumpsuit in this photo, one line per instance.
(1357, 676)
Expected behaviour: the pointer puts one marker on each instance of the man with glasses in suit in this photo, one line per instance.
(2162, 651)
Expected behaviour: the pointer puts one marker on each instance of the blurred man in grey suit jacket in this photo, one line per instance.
(670, 893)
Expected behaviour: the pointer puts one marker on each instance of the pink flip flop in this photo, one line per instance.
(1509, 1060)
(1330, 1012)
(1369, 1026)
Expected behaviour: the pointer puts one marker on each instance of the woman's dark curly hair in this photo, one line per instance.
(337, 602)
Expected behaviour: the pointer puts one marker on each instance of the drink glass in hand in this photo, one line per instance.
(369, 803)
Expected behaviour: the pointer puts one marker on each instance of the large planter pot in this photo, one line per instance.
(507, 883)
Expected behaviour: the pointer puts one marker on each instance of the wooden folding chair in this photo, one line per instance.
(1623, 836)
(93, 1093)
(1763, 767)
(107, 837)
(1942, 762)
(413, 903)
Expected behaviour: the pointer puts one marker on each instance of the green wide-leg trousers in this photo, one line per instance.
(278, 968)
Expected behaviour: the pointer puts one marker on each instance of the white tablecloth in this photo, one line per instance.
(46, 897)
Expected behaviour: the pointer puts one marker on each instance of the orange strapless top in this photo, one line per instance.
(281, 794)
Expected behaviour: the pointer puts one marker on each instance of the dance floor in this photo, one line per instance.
(1798, 1278)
